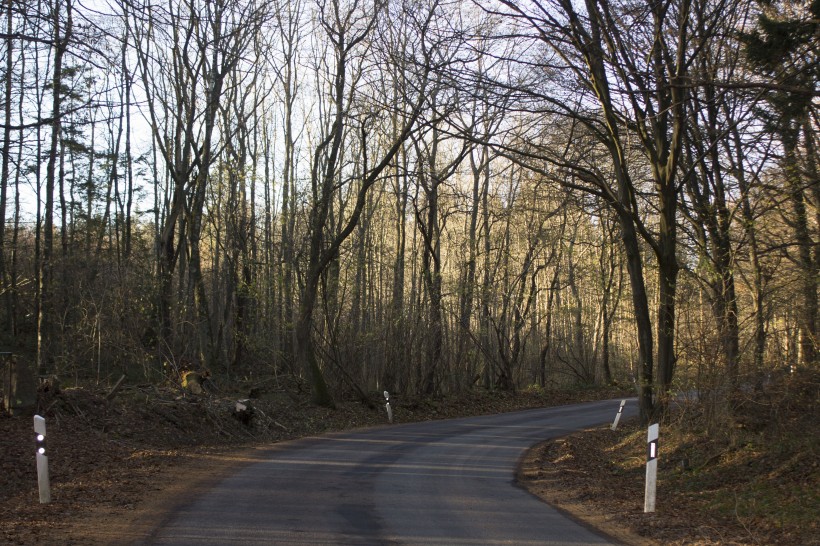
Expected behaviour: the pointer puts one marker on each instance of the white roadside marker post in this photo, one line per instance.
(618, 415)
(388, 407)
(651, 468)
(42, 459)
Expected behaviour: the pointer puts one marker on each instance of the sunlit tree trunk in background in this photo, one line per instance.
(544, 353)
(480, 168)
(324, 240)
(577, 347)
(736, 157)
(610, 271)
(710, 214)
(289, 20)
(433, 171)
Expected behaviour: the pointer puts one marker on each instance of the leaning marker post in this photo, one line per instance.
(388, 407)
(618, 415)
(651, 468)
(42, 459)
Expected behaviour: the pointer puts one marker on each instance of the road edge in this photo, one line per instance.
(528, 476)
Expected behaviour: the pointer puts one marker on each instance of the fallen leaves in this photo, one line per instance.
(758, 485)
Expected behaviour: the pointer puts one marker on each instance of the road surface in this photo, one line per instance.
(439, 482)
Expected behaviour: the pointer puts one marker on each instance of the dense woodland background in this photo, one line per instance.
(413, 195)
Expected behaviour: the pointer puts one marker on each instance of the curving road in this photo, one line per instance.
(439, 482)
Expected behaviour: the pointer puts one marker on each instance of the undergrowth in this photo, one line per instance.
(757, 466)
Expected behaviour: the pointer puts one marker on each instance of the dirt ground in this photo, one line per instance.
(754, 481)
(119, 467)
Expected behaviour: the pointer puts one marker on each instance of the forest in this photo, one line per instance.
(420, 196)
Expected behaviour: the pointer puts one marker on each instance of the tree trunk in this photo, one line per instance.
(46, 325)
(305, 355)
(432, 276)
(4, 170)
(736, 155)
(807, 307)
(640, 306)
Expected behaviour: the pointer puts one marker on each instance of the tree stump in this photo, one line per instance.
(195, 382)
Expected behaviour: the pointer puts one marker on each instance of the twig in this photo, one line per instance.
(113, 392)
(51, 405)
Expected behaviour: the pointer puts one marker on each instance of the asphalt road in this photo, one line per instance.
(439, 482)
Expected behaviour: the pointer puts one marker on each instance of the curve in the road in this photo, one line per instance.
(440, 482)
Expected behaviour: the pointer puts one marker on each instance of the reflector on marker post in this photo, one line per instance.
(652, 452)
(42, 459)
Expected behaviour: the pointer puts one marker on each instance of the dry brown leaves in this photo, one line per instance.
(755, 482)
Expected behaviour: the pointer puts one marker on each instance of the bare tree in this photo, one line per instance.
(289, 20)
(785, 47)
(186, 52)
(62, 21)
(347, 28)
(635, 95)
(6, 152)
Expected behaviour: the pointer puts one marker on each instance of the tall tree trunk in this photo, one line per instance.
(431, 264)
(640, 306)
(287, 224)
(544, 354)
(289, 23)
(8, 308)
(813, 179)
(4, 170)
(202, 308)
(13, 320)
(46, 342)
(486, 290)
(480, 168)
(608, 265)
(396, 346)
(129, 163)
(305, 352)
(735, 151)
(667, 284)
(807, 307)
(578, 345)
